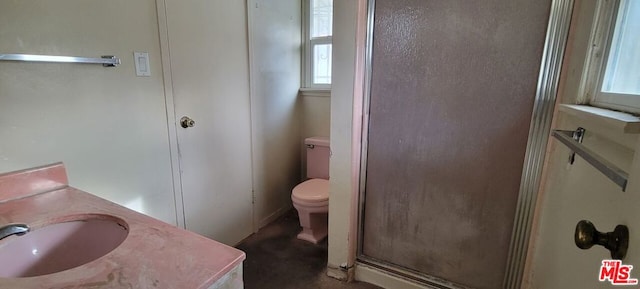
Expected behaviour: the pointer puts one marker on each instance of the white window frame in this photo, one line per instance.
(602, 31)
(309, 44)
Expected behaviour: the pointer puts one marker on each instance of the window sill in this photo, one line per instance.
(620, 122)
(315, 92)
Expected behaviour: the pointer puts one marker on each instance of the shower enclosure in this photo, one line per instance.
(457, 114)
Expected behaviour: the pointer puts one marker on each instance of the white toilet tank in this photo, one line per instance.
(317, 157)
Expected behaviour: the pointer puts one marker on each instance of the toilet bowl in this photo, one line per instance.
(311, 197)
(311, 200)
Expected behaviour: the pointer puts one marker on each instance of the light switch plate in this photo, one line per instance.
(141, 59)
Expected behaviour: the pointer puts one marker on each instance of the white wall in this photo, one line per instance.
(108, 126)
(575, 192)
(275, 54)
(345, 15)
(315, 116)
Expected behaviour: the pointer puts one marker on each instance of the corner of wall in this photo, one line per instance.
(275, 105)
(350, 17)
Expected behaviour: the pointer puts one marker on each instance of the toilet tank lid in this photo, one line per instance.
(317, 140)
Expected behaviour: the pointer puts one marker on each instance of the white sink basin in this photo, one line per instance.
(60, 246)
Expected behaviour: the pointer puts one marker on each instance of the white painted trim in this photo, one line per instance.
(307, 50)
(620, 122)
(597, 126)
(170, 110)
(602, 32)
(252, 106)
(594, 58)
(306, 59)
(383, 279)
(617, 101)
(341, 207)
(315, 92)
(337, 273)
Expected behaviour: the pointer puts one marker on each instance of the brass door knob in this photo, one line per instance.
(186, 122)
(617, 242)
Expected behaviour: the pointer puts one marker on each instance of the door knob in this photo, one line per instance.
(617, 242)
(186, 122)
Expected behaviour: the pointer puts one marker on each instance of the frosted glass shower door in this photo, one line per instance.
(452, 90)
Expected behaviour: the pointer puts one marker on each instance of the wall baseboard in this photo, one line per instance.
(337, 273)
(273, 216)
(380, 278)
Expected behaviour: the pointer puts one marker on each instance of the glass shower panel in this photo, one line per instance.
(452, 91)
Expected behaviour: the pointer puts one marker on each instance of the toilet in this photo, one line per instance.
(311, 197)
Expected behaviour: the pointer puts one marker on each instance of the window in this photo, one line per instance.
(318, 29)
(613, 76)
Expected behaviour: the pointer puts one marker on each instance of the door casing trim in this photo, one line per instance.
(170, 111)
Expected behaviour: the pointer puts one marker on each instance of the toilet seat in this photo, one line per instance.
(312, 193)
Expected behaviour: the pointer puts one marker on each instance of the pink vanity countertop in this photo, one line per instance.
(154, 254)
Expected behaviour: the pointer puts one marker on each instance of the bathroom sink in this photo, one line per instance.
(61, 246)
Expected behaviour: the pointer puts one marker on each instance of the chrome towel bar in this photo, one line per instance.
(106, 60)
(610, 170)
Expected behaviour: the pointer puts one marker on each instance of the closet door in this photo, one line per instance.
(452, 93)
(210, 77)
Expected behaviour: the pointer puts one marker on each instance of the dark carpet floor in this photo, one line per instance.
(277, 259)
